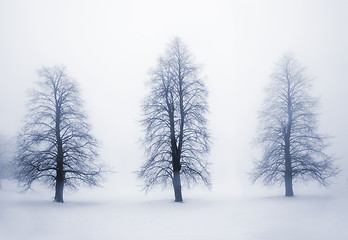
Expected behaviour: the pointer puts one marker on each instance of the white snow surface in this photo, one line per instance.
(106, 214)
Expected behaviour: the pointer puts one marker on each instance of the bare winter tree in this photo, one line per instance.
(292, 147)
(177, 139)
(55, 145)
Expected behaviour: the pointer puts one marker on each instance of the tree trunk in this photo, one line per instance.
(288, 165)
(288, 185)
(59, 187)
(176, 179)
(288, 172)
(60, 158)
(60, 177)
(177, 187)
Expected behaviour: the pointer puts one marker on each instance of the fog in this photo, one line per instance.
(110, 46)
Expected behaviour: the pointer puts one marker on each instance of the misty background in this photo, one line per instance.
(109, 47)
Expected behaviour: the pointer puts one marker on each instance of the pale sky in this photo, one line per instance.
(109, 47)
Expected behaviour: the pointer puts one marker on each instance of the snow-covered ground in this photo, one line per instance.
(103, 214)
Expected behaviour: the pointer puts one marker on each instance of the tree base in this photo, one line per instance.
(177, 187)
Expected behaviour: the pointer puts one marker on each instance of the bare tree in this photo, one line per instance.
(55, 145)
(177, 139)
(288, 131)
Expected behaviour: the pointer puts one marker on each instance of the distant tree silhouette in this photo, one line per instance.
(176, 139)
(55, 145)
(288, 131)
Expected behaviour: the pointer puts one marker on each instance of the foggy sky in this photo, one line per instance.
(109, 47)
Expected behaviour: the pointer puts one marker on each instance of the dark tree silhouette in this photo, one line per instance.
(177, 139)
(288, 131)
(55, 145)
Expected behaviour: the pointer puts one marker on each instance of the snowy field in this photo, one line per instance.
(101, 214)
